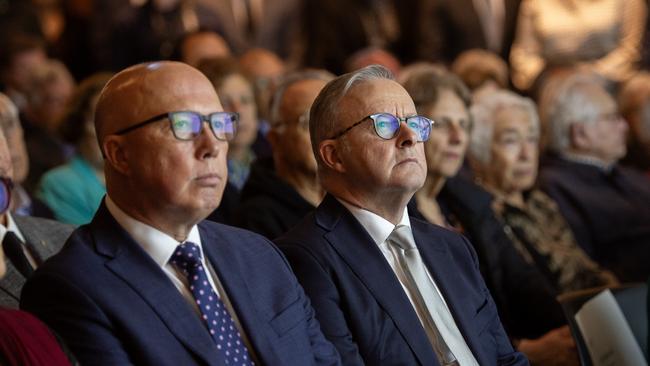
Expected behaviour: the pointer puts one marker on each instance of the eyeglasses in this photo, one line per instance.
(5, 193)
(445, 124)
(303, 121)
(388, 125)
(187, 125)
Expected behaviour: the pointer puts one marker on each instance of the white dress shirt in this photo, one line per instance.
(11, 226)
(379, 229)
(161, 247)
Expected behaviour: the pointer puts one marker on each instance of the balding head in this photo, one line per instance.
(146, 90)
(165, 182)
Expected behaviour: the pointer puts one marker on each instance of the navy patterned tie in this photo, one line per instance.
(187, 258)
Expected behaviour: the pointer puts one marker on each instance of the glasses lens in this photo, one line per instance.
(386, 125)
(186, 125)
(5, 195)
(224, 125)
(421, 126)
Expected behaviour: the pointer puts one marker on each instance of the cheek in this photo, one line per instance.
(433, 149)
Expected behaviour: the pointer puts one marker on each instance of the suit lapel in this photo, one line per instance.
(442, 267)
(218, 250)
(358, 250)
(11, 284)
(135, 267)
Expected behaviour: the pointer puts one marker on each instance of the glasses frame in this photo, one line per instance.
(373, 118)
(168, 115)
(9, 185)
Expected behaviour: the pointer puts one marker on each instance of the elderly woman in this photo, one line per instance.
(526, 302)
(504, 154)
(237, 95)
(74, 191)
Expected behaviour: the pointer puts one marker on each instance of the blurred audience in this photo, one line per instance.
(482, 71)
(281, 190)
(634, 106)
(449, 27)
(236, 94)
(74, 191)
(606, 205)
(603, 36)
(504, 154)
(22, 203)
(524, 299)
(333, 30)
(372, 56)
(49, 87)
(21, 55)
(264, 69)
(193, 47)
(245, 24)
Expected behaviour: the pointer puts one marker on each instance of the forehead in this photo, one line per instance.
(512, 118)
(302, 94)
(375, 96)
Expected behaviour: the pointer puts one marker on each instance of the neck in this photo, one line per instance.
(514, 198)
(168, 219)
(432, 185)
(305, 183)
(389, 205)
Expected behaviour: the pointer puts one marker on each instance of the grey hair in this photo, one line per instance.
(51, 70)
(570, 104)
(323, 117)
(289, 80)
(8, 111)
(483, 112)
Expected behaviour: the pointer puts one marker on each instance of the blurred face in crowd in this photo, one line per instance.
(447, 144)
(605, 137)
(237, 95)
(291, 138)
(640, 127)
(48, 103)
(265, 68)
(21, 67)
(203, 45)
(159, 177)
(375, 169)
(13, 132)
(514, 151)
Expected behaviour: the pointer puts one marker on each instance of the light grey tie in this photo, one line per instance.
(424, 294)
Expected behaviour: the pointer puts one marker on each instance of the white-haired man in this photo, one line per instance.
(606, 205)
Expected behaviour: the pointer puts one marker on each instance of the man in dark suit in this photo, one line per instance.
(388, 289)
(28, 240)
(148, 283)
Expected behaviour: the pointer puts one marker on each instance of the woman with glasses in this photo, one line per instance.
(526, 302)
(74, 191)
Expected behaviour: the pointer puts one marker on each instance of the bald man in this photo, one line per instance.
(148, 282)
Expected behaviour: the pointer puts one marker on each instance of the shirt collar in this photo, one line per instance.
(11, 226)
(589, 160)
(156, 243)
(377, 227)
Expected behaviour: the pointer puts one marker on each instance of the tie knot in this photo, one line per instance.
(402, 237)
(187, 255)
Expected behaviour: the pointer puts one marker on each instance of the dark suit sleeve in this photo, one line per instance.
(506, 355)
(76, 318)
(325, 300)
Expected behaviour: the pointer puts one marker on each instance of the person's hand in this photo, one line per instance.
(553, 348)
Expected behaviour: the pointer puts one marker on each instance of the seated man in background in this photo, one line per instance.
(26, 241)
(281, 190)
(148, 283)
(606, 205)
(389, 289)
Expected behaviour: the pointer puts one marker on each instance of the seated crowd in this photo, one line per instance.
(365, 190)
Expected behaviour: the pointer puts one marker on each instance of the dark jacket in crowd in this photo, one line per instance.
(269, 206)
(525, 300)
(608, 211)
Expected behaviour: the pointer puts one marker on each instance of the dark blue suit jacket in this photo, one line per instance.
(113, 304)
(361, 305)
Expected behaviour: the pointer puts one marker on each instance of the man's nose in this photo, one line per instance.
(407, 136)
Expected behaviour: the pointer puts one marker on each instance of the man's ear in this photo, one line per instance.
(329, 154)
(114, 153)
(579, 136)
